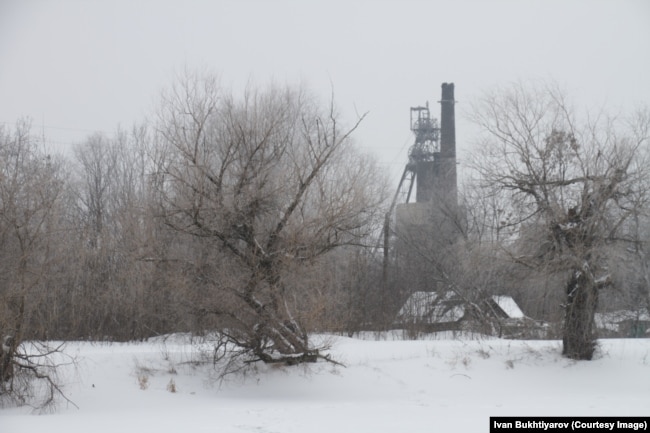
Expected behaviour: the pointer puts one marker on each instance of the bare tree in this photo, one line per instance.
(271, 184)
(97, 157)
(115, 278)
(30, 187)
(571, 188)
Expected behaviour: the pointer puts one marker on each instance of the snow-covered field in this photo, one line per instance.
(387, 385)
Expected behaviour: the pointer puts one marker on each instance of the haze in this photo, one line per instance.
(79, 66)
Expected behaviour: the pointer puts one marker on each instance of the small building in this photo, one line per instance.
(434, 312)
(624, 323)
(431, 312)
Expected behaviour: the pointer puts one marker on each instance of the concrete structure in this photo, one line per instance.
(415, 229)
(445, 162)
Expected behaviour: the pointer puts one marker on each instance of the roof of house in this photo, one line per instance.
(509, 306)
(430, 307)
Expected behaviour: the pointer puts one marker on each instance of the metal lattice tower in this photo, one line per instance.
(426, 136)
(421, 154)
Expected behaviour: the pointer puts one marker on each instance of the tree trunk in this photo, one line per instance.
(289, 342)
(579, 339)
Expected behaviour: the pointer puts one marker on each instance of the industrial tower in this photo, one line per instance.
(431, 168)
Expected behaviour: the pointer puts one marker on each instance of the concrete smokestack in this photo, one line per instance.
(447, 158)
(447, 121)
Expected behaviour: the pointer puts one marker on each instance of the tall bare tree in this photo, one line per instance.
(271, 183)
(113, 286)
(571, 186)
(31, 185)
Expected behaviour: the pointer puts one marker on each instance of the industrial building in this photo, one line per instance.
(417, 230)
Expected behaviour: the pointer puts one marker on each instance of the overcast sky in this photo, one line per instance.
(80, 66)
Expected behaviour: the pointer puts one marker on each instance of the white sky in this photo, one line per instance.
(80, 66)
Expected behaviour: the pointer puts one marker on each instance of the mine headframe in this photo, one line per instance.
(427, 133)
(421, 154)
(431, 163)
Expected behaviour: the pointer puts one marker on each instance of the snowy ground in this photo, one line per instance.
(386, 386)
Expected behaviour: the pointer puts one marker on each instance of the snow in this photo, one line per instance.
(388, 385)
(509, 306)
(428, 307)
(417, 305)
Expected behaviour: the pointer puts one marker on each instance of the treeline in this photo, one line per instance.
(224, 211)
(83, 255)
(255, 214)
